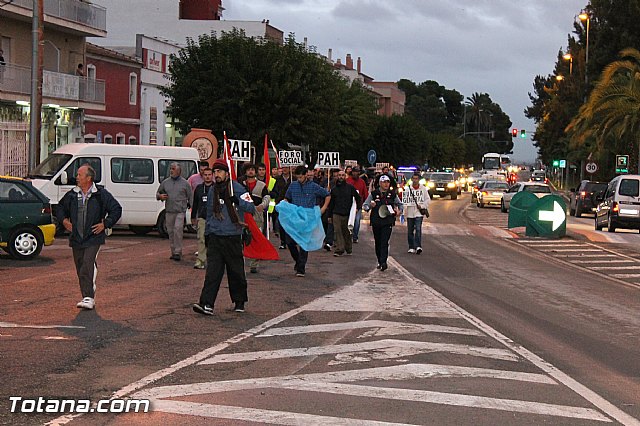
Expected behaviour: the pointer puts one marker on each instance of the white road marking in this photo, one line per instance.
(56, 338)
(559, 245)
(383, 328)
(591, 255)
(606, 268)
(255, 415)
(375, 350)
(586, 393)
(626, 275)
(582, 250)
(12, 325)
(604, 260)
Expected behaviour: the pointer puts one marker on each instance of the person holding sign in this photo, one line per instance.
(385, 206)
(342, 196)
(416, 199)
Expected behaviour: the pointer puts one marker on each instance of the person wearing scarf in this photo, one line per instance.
(226, 203)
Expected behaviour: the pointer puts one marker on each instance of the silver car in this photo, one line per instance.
(491, 193)
(538, 189)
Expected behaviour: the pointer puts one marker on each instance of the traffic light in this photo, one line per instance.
(514, 133)
(523, 133)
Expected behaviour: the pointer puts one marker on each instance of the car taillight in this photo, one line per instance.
(46, 209)
(583, 194)
(546, 180)
(615, 207)
(485, 193)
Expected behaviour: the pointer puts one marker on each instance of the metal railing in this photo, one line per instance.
(16, 79)
(87, 14)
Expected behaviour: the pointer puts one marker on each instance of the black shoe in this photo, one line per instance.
(355, 241)
(282, 246)
(338, 254)
(378, 266)
(384, 267)
(176, 257)
(204, 310)
(299, 274)
(239, 307)
(253, 270)
(327, 247)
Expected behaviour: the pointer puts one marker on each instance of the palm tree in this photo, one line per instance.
(613, 108)
(479, 116)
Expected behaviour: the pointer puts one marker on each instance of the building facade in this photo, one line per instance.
(65, 94)
(119, 122)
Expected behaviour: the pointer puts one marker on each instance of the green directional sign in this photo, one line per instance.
(547, 217)
(622, 164)
(518, 208)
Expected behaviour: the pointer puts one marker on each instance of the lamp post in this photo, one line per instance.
(585, 17)
(569, 57)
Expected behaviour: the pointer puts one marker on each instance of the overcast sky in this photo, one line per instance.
(492, 46)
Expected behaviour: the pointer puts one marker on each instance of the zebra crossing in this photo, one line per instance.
(616, 263)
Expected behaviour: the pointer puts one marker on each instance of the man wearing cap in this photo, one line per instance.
(227, 202)
(360, 186)
(385, 206)
(177, 194)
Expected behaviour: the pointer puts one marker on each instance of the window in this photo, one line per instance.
(89, 138)
(133, 140)
(91, 72)
(72, 170)
(133, 89)
(131, 170)
(629, 187)
(14, 192)
(188, 168)
(108, 139)
(120, 138)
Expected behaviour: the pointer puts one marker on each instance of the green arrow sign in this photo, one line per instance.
(547, 217)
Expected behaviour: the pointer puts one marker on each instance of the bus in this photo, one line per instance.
(495, 161)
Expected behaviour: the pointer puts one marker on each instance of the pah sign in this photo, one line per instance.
(240, 150)
(328, 160)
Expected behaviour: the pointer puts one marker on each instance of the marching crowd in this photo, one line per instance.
(219, 206)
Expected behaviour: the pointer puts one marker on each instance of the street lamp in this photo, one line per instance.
(559, 77)
(585, 17)
(569, 57)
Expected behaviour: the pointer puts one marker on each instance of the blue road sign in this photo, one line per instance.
(372, 156)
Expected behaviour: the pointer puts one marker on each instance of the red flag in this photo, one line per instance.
(260, 247)
(227, 157)
(275, 152)
(266, 160)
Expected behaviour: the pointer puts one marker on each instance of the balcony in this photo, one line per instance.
(76, 91)
(72, 11)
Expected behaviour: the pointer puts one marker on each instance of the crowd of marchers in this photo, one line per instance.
(305, 209)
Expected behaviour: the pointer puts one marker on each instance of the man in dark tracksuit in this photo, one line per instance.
(342, 196)
(86, 211)
(225, 209)
(277, 194)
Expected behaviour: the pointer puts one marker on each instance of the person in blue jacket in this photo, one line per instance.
(227, 202)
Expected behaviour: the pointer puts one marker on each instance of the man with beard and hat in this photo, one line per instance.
(227, 202)
(342, 196)
(385, 206)
(261, 198)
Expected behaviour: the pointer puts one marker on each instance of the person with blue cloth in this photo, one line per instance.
(303, 192)
(227, 201)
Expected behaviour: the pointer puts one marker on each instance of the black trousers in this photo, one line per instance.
(381, 235)
(224, 253)
(299, 255)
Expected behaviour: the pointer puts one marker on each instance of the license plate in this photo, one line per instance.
(439, 189)
(629, 211)
(497, 193)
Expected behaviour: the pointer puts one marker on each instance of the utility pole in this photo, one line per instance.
(35, 109)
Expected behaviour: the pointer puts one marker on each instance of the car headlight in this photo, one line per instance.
(451, 185)
(463, 180)
(423, 182)
(430, 185)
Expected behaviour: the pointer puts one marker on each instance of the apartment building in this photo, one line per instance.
(65, 93)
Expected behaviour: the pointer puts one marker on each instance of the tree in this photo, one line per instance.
(249, 86)
(612, 112)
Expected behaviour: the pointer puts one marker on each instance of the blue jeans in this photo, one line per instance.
(414, 232)
(356, 225)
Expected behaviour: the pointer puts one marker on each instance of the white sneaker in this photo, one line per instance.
(419, 250)
(411, 251)
(86, 303)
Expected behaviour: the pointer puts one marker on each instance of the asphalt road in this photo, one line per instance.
(485, 327)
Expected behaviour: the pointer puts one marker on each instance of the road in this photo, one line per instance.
(485, 327)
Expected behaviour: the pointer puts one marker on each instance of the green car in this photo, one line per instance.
(26, 224)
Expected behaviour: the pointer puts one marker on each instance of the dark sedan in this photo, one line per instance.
(583, 198)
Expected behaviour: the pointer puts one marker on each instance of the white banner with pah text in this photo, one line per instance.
(328, 160)
(290, 158)
(240, 150)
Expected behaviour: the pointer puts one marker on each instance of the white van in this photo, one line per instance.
(619, 206)
(131, 173)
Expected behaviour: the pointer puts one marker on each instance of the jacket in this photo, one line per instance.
(101, 207)
(360, 185)
(342, 196)
(242, 203)
(199, 209)
(260, 196)
(179, 192)
(390, 198)
(279, 189)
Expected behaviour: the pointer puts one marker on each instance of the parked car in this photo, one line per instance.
(538, 189)
(442, 184)
(491, 193)
(583, 198)
(619, 206)
(26, 224)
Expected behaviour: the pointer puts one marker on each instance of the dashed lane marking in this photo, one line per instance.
(12, 325)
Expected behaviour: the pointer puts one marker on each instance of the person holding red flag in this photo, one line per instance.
(227, 201)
